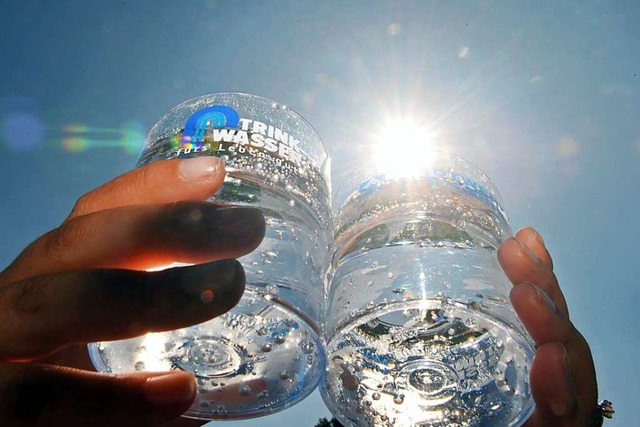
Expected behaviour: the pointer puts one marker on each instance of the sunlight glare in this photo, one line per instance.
(154, 343)
(167, 266)
(404, 149)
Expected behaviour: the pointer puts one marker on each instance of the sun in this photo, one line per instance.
(404, 148)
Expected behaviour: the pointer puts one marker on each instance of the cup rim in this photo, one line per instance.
(349, 185)
(234, 93)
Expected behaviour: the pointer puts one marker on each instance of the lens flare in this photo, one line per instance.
(130, 136)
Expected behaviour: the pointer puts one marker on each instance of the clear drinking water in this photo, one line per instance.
(419, 328)
(265, 354)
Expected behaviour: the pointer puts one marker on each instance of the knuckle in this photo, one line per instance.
(82, 205)
(27, 298)
(24, 306)
(63, 239)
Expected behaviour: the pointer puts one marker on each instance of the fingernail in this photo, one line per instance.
(541, 242)
(544, 299)
(200, 168)
(170, 389)
(537, 235)
(215, 281)
(528, 252)
(566, 364)
(558, 408)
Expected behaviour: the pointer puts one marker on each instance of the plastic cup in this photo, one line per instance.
(419, 327)
(265, 354)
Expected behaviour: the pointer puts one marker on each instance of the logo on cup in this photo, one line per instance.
(218, 116)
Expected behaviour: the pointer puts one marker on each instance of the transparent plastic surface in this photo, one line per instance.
(266, 353)
(418, 326)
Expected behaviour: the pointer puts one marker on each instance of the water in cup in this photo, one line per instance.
(265, 354)
(419, 328)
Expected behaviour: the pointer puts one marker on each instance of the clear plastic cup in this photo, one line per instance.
(265, 354)
(418, 326)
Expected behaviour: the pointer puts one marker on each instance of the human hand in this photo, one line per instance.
(86, 281)
(563, 378)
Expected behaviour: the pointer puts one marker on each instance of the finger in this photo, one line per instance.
(551, 386)
(562, 397)
(32, 394)
(161, 182)
(521, 264)
(544, 321)
(44, 313)
(142, 237)
(549, 325)
(531, 238)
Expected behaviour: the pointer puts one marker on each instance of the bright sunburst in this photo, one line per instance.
(404, 148)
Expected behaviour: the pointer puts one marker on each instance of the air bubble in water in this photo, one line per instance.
(375, 396)
(307, 347)
(266, 348)
(398, 399)
(139, 366)
(390, 275)
(292, 203)
(272, 289)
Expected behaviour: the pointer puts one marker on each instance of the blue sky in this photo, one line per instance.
(544, 96)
